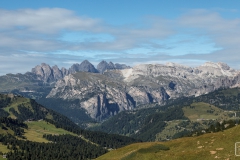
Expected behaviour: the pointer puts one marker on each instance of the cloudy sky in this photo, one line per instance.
(60, 32)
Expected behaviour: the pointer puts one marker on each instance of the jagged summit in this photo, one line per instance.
(221, 65)
(85, 66)
(103, 66)
(50, 74)
(116, 90)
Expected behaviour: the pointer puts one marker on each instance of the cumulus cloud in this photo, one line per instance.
(45, 20)
(34, 36)
(225, 33)
(39, 30)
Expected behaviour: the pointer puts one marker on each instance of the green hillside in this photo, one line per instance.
(176, 118)
(220, 145)
(28, 130)
(204, 111)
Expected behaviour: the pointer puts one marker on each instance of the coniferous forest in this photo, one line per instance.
(82, 144)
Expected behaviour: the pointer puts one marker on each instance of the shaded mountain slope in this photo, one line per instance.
(177, 118)
(45, 125)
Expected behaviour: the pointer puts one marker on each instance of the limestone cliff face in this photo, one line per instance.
(106, 94)
(180, 80)
(49, 74)
(102, 96)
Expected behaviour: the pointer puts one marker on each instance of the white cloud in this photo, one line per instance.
(39, 32)
(225, 32)
(45, 20)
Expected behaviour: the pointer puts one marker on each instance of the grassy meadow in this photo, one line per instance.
(220, 145)
(199, 111)
(36, 130)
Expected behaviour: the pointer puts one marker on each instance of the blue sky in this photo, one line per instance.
(124, 31)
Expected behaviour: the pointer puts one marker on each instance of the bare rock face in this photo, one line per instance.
(64, 71)
(57, 73)
(44, 72)
(102, 96)
(85, 66)
(121, 66)
(49, 74)
(113, 91)
(103, 66)
(52, 74)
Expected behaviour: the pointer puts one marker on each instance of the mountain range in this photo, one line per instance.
(114, 91)
(112, 88)
(50, 74)
(150, 102)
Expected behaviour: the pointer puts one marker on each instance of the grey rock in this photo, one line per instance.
(64, 71)
(103, 66)
(57, 73)
(103, 95)
(121, 66)
(49, 74)
(44, 72)
(85, 66)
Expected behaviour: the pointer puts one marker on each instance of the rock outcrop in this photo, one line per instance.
(112, 89)
(106, 94)
(85, 66)
(51, 74)
(48, 74)
(103, 66)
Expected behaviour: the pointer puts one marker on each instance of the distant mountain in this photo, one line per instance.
(118, 90)
(48, 74)
(103, 66)
(113, 89)
(85, 66)
(38, 83)
(177, 118)
(51, 74)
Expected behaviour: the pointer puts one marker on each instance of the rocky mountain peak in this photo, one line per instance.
(111, 65)
(121, 66)
(49, 74)
(210, 64)
(44, 72)
(86, 66)
(57, 73)
(216, 69)
(103, 66)
(224, 66)
(64, 71)
(219, 65)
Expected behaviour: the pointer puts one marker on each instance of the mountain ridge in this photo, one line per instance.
(143, 84)
(107, 92)
(52, 74)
